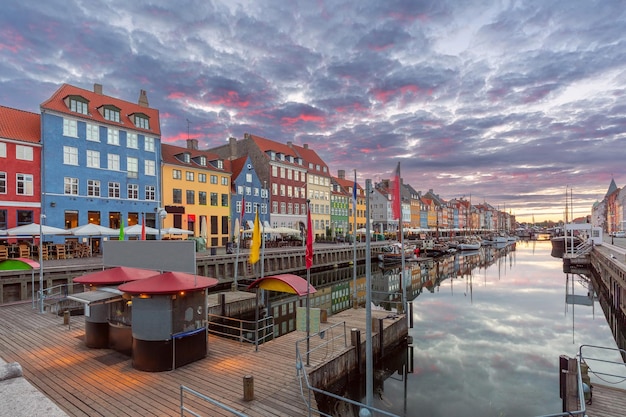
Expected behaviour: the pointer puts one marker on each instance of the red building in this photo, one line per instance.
(20, 167)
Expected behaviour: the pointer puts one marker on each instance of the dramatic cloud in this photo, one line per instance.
(508, 102)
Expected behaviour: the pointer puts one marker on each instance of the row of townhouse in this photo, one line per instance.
(610, 212)
(92, 158)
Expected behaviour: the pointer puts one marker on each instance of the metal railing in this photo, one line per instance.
(302, 374)
(184, 408)
(248, 331)
(584, 360)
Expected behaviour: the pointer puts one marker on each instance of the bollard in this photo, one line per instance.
(66, 318)
(248, 388)
(323, 316)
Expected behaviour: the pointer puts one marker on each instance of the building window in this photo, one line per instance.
(224, 200)
(24, 217)
(148, 144)
(133, 192)
(191, 197)
(131, 140)
(113, 162)
(202, 198)
(70, 155)
(24, 184)
(150, 167)
(93, 188)
(3, 150)
(93, 132)
(150, 192)
(283, 208)
(3, 182)
(213, 179)
(248, 207)
(78, 106)
(274, 189)
(177, 174)
(113, 136)
(177, 196)
(132, 167)
(189, 175)
(142, 122)
(202, 161)
(114, 190)
(3, 220)
(275, 207)
(93, 159)
(214, 199)
(24, 153)
(282, 190)
(70, 128)
(224, 180)
(220, 164)
(70, 186)
(112, 114)
(201, 177)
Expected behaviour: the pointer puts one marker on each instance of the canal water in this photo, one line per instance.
(488, 331)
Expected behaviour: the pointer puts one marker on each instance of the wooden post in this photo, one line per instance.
(248, 388)
(355, 338)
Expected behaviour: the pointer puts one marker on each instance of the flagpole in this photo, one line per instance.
(402, 276)
(355, 296)
(238, 244)
(369, 366)
(308, 280)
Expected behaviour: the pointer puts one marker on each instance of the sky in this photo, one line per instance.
(513, 103)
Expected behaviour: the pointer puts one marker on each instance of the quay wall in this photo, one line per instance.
(18, 286)
(335, 369)
(610, 269)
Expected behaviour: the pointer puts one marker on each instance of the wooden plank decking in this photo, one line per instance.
(607, 402)
(102, 382)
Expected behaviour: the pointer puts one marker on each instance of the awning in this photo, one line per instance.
(289, 283)
(101, 296)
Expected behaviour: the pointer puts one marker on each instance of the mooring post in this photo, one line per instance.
(248, 388)
(355, 338)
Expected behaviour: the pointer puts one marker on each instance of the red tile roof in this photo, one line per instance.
(169, 153)
(116, 275)
(96, 101)
(19, 125)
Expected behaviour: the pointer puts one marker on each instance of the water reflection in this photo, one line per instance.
(488, 330)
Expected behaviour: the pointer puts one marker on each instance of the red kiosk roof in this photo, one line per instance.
(169, 283)
(117, 275)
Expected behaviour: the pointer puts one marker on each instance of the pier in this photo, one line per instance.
(88, 382)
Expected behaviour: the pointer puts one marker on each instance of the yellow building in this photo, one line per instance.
(195, 192)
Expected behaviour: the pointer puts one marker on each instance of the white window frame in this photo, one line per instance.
(148, 144)
(149, 167)
(93, 159)
(132, 191)
(93, 132)
(93, 188)
(70, 128)
(132, 165)
(113, 136)
(26, 182)
(113, 162)
(3, 150)
(132, 141)
(113, 189)
(70, 155)
(24, 153)
(70, 186)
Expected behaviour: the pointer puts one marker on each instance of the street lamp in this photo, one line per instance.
(162, 214)
(41, 219)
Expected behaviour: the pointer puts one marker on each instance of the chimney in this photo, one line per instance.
(341, 174)
(192, 144)
(232, 144)
(290, 144)
(97, 88)
(305, 146)
(143, 99)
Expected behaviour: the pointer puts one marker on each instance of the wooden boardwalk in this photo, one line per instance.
(607, 402)
(102, 382)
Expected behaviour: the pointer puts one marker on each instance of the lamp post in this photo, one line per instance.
(41, 219)
(162, 214)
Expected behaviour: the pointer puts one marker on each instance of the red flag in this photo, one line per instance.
(396, 203)
(143, 228)
(309, 239)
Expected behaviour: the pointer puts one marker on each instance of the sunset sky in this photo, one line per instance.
(509, 102)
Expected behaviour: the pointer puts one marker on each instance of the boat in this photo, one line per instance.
(470, 245)
(393, 254)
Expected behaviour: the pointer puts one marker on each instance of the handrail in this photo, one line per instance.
(239, 327)
(302, 374)
(184, 409)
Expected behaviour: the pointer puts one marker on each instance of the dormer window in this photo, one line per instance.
(291, 159)
(220, 164)
(186, 158)
(272, 155)
(142, 121)
(79, 105)
(281, 156)
(111, 113)
(202, 161)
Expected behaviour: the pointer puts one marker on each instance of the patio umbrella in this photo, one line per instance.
(285, 231)
(175, 231)
(236, 231)
(35, 229)
(93, 229)
(135, 230)
(203, 228)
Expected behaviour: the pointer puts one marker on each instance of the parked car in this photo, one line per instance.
(621, 233)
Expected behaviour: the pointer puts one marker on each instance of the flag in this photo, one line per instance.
(122, 230)
(309, 239)
(143, 228)
(255, 247)
(243, 204)
(396, 203)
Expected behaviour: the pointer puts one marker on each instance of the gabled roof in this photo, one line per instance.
(169, 154)
(267, 145)
(56, 103)
(19, 125)
(311, 157)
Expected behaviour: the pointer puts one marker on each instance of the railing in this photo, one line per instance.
(54, 295)
(301, 373)
(184, 408)
(584, 360)
(248, 331)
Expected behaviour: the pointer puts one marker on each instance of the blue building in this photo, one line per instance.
(101, 159)
(248, 189)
